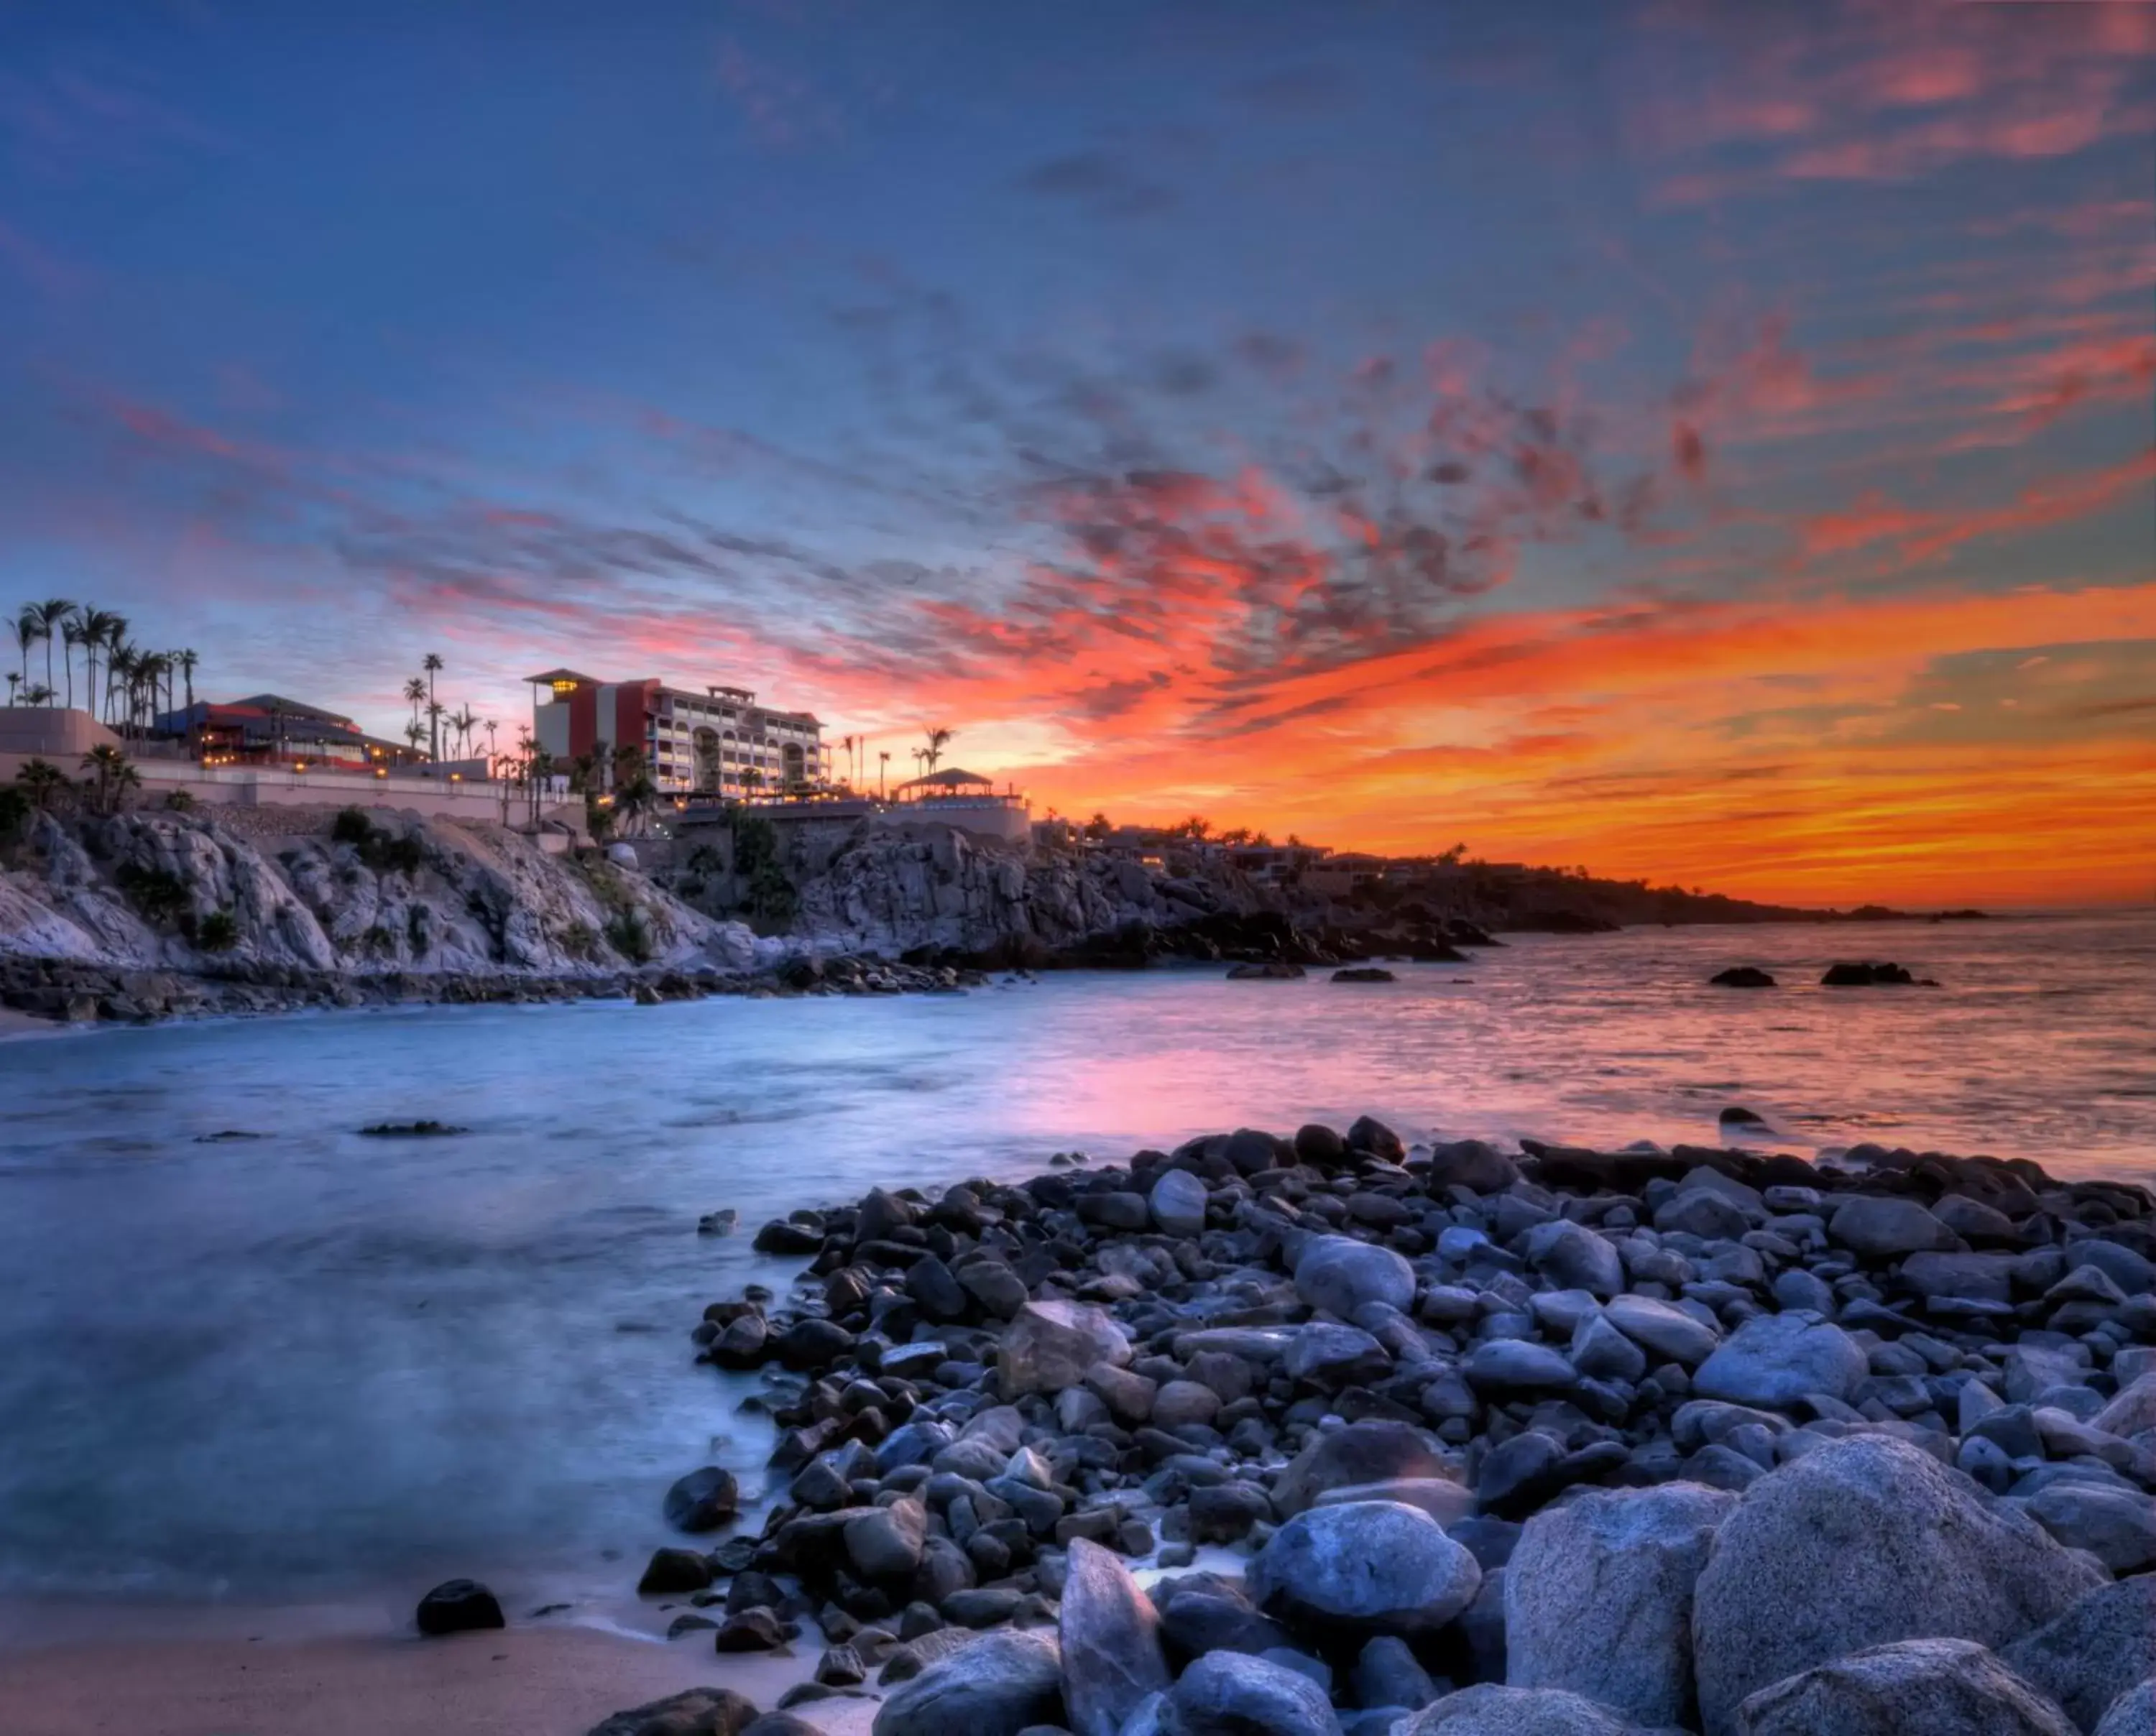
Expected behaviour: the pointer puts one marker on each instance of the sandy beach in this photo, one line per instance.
(545, 1681)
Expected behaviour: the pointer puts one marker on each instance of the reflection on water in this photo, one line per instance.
(311, 1360)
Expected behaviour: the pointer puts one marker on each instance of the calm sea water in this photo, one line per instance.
(309, 1362)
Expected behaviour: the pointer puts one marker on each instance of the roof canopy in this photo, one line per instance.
(551, 676)
(951, 780)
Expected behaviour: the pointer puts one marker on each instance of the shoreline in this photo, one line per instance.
(996, 1400)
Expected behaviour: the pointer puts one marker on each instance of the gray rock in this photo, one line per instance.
(1182, 1403)
(1515, 1365)
(1772, 1360)
(1864, 1542)
(698, 1712)
(1333, 1355)
(704, 1500)
(1339, 1274)
(1488, 1710)
(2134, 1273)
(2115, 1525)
(1704, 1215)
(1667, 1331)
(993, 1686)
(1111, 1642)
(1388, 1674)
(2133, 1714)
(1229, 1694)
(1443, 1500)
(1575, 1257)
(1051, 1344)
(886, 1543)
(1601, 1352)
(1980, 1278)
(2133, 1411)
(1366, 1566)
(2087, 1657)
(1369, 1451)
(1916, 1687)
(1178, 1203)
(1599, 1595)
(1882, 1226)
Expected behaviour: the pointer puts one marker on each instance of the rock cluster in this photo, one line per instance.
(1568, 1441)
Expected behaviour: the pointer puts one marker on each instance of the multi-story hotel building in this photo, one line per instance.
(717, 742)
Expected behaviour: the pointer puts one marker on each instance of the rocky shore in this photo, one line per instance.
(1560, 1443)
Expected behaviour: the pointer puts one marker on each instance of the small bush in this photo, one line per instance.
(378, 942)
(629, 934)
(417, 933)
(157, 897)
(180, 801)
(16, 808)
(217, 932)
(352, 827)
(381, 849)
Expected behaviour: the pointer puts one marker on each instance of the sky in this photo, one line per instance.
(1709, 443)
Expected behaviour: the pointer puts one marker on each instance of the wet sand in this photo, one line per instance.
(544, 1681)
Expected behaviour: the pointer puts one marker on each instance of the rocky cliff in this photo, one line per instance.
(174, 898)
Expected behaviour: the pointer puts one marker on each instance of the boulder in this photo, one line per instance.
(1914, 1687)
(1178, 1203)
(1488, 1710)
(699, 1711)
(1387, 1673)
(2089, 1655)
(1599, 1595)
(1475, 1165)
(1364, 1567)
(1772, 1360)
(1229, 1693)
(2133, 1714)
(1507, 1366)
(1575, 1257)
(458, 1606)
(1374, 1451)
(1051, 1345)
(1110, 1636)
(1741, 976)
(704, 1500)
(2115, 1524)
(1664, 1328)
(885, 1542)
(1339, 1274)
(994, 1686)
(1863, 1542)
(1882, 1226)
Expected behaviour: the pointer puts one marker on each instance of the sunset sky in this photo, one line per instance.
(1707, 443)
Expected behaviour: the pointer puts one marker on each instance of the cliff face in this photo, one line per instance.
(894, 891)
(189, 892)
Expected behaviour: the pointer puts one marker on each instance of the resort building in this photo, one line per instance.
(268, 729)
(715, 742)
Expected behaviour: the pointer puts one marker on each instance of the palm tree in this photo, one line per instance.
(465, 722)
(415, 732)
(188, 660)
(26, 635)
(432, 663)
(415, 690)
(119, 673)
(115, 641)
(939, 738)
(53, 614)
(40, 779)
(883, 771)
(96, 630)
(113, 776)
(73, 632)
(434, 710)
(38, 695)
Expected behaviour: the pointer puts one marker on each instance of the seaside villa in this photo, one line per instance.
(717, 742)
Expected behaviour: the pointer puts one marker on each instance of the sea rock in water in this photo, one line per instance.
(994, 1686)
(1339, 1274)
(458, 1606)
(1364, 973)
(1864, 1542)
(1111, 1642)
(1488, 1710)
(1364, 1566)
(704, 1500)
(699, 1711)
(1915, 1687)
(1598, 1595)
(1772, 1360)
(2087, 1657)
(1051, 1345)
(1865, 974)
(1228, 1693)
(1741, 976)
